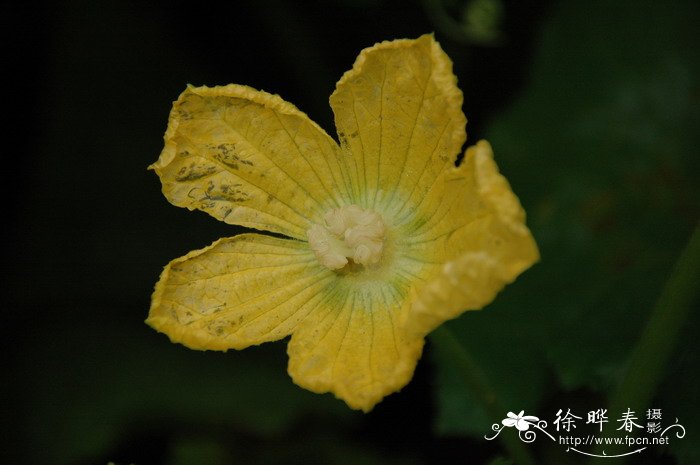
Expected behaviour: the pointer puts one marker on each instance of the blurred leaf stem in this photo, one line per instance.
(479, 386)
(647, 363)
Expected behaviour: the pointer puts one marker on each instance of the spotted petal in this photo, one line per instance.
(249, 158)
(399, 113)
(239, 291)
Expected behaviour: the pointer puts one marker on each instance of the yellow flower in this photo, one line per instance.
(386, 238)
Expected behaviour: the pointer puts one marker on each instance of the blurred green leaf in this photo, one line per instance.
(122, 382)
(602, 150)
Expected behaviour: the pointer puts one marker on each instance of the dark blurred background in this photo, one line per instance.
(593, 109)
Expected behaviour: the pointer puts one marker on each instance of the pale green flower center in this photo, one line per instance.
(349, 233)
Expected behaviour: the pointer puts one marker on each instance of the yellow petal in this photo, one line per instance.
(239, 291)
(353, 346)
(249, 158)
(399, 112)
(470, 234)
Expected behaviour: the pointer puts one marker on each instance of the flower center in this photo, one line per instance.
(350, 233)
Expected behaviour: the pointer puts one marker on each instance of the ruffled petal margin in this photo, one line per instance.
(470, 232)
